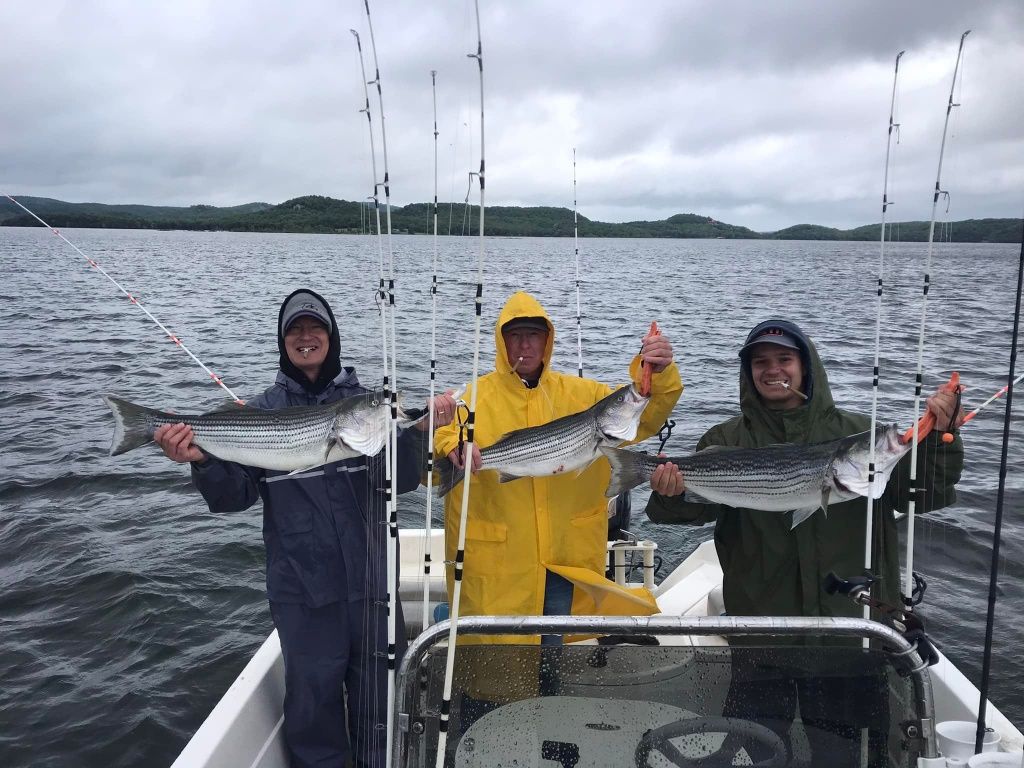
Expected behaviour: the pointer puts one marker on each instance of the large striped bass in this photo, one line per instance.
(776, 478)
(287, 439)
(567, 444)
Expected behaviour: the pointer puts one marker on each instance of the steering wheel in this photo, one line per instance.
(737, 732)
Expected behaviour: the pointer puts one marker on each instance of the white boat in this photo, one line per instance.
(615, 705)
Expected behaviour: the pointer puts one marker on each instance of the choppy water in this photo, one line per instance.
(126, 608)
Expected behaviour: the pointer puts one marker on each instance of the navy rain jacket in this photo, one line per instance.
(316, 523)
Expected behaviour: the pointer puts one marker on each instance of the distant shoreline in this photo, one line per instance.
(324, 215)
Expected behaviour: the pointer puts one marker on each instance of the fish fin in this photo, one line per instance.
(713, 448)
(305, 469)
(799, 515)
(507, 477)
(132, 425)
(230, 405)
(627, 470)
(448, 475)
(693, 497)
(824, 500)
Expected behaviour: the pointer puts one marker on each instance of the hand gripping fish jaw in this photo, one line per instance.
(926, 424)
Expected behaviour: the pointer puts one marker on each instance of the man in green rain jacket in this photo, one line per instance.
(768, 568)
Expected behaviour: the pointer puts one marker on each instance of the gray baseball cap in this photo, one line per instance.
(305, 305)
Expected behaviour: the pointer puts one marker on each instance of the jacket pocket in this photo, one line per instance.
(590, 517)
(486, 548)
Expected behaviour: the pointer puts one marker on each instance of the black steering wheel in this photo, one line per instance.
(737, 733)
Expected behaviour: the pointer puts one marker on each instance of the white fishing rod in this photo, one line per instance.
(576, 243)
(392, 547)
(467, 455)
(870, 519)
(428, 522)
(912, 505)
(389, 444)
(134, 300)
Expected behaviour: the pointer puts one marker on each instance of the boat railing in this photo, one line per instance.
(645, 681)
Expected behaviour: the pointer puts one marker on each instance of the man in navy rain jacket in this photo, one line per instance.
(325, 537)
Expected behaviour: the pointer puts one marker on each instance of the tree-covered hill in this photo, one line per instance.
(318, 214)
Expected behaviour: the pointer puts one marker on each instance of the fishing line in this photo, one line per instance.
(912, 504)
(870, 511)
(467, 456)
(134, 300)
(986, 666)
(428, 522)
(576, 243)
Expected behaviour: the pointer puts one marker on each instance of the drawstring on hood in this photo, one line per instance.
(332, 363)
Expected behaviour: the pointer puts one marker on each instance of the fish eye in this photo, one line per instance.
(374, 403)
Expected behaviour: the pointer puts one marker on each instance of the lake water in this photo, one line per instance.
(126, 608)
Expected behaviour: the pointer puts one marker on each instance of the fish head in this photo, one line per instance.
(618, 415)
(360, 414)
(851, 463)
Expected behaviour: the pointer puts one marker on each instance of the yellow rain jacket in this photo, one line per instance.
(517, 531)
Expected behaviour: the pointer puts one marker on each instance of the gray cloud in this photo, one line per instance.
(760, 114)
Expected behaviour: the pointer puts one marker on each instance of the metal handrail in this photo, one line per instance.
(903, 655)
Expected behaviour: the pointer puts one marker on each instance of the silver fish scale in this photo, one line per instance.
(569, 441)
(744, 472)
(258, 430)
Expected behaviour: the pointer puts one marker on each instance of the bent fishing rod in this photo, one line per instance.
(386, 302)
(134, 300)
(912, 504)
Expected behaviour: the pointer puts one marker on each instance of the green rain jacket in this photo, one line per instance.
(770, 570)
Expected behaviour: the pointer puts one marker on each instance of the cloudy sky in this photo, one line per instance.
(762, 114)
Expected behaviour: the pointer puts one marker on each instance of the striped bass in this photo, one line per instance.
(288, 439)
(776, 478)
(567, 444)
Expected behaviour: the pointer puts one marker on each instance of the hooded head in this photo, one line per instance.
(305, 303)
(522, 312)
(784, 333)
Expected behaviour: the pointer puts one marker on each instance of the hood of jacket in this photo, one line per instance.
(331, 368)
(521, 304)
(796, 424)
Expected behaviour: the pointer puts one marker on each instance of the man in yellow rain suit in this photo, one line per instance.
(537, 545)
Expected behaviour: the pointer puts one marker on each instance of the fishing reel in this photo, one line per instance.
(904, 621)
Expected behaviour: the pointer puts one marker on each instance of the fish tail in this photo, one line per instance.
(449, 475)
(133, 425)
(628, 470)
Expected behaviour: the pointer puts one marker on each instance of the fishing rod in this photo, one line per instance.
(134, 300)
(389, 444)
(912, 504)
(433, 375)
(392, 460)
(870, 519)
(986, 665)
(467, 455)
(576, 243)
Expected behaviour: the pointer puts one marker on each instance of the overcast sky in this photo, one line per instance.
(762, 114)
